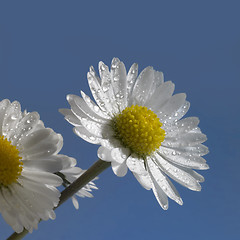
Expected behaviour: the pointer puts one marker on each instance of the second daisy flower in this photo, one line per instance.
(138, 123)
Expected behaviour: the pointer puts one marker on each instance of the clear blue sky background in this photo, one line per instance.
(46, 48)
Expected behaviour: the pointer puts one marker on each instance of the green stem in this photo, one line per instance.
(18, 236)
(98, 167)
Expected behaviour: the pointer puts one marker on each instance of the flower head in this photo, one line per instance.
(138, 123)
(28, 160)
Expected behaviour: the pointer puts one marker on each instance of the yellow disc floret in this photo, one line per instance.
(10, 164)
(139, 129)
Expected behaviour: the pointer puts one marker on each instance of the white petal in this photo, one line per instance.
(66, 161)
(10, 218)
(39, 203)
(178, 174)
(136, 165)
(158, 78)
(19, 207)
(86, 135)
(197, 176)
(84, 193)
(42, 177)
(75, 202)
(47, 165)
(21, 213)
(25, 126)
(52, 215)
(119, 83)
(35, 138)
(70, 117)
(51, 145)
(104, 154)
(73, 171)
(144, 180)
(111, 143)
(11, 118)
(98, 129)
(178, 114)
(180, 127)
(158, 192)
(120, 154)
(106, 84)
(143, 86)
(157, 81)
(197, 150)
(188, 139)
(119, 169)
(81, 107)
(185, 160)
(161, 95)
(100, 97)
(171, 106)
(3, 107)
(93, 106)
(65, 111)
(164, 182)
(131, 78)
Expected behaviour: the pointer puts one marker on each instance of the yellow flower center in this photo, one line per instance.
(10, 164)
(139, 129)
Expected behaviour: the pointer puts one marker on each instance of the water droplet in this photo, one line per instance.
(102, 68)
(105, 87)
(116, 78)
(92, 138)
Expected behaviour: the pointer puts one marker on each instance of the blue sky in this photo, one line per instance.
(46, 48)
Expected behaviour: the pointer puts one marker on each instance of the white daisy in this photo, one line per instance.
(69, 175)
(137, 121)
(28, 160)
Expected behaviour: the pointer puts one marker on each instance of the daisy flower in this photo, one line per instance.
(138, 123)
(28, 160)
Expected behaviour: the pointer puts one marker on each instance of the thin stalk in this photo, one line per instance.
(98, 167)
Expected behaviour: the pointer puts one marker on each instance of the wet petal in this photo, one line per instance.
(119, 169)
(163, 182)
(119, 84)
(136, 165)
(143, 86)
(120, 154)
(178, 174)
(158, 192)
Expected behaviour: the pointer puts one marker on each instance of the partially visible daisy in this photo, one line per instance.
(138, 123)
(69, 175)
(28, 160)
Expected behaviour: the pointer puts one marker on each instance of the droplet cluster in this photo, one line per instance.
(10, 164)
(139, 129)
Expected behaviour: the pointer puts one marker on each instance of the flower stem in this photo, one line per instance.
(98, 167)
